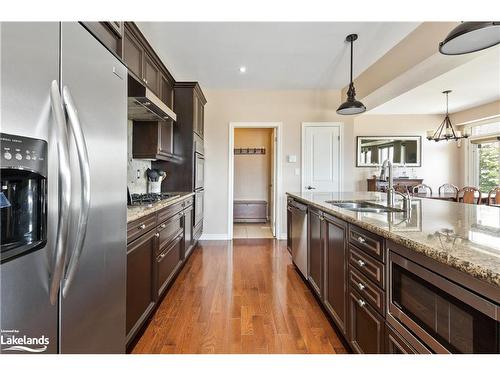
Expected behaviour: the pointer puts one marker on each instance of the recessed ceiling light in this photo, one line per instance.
(243, 69)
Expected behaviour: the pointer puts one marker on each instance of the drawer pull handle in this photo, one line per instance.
(163, 226)
(361, 239)
(162, 256)
(361, 303)
(157, 235)
(142, 226)
(361, 263)
(361, 286)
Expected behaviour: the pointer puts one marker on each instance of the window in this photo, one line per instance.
(485, 156)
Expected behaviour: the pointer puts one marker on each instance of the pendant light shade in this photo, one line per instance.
(470, 37)
(351, 106)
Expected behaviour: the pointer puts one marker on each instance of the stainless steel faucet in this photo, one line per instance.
(391, 192)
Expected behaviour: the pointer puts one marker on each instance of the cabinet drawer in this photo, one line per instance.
(198, 230)
(395, 344)
(371, 268)
(250, 211)
(367, 241)
(366, 326)
(168, 230)
(167, 264)
(170, 211)
(140, 226)
(367, 290)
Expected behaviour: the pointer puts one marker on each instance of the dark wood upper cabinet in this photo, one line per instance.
(151, 75)
(335, 295)
(315, 251)
(133, 54)
(109, 33)
(145, 65)
(153, 140)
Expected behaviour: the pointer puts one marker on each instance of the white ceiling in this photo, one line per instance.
(474, 83)
(290, 55)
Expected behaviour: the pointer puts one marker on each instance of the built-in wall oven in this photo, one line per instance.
(444, 316)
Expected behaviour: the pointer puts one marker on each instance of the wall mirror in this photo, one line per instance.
(372, 151)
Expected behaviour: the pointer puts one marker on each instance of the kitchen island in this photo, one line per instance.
(423, 280)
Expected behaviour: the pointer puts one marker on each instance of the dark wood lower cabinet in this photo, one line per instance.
(167, 264)
(315, 251)
(336, 271)
(141, 294)
(366, 326)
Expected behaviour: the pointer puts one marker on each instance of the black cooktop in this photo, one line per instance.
(150, 198)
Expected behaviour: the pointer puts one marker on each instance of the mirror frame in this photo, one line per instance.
(417, 138)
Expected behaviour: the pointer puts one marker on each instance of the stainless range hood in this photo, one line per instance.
(144, 105)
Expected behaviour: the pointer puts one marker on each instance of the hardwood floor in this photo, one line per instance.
(239, 297)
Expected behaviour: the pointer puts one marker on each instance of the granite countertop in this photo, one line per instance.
(463, 236)
(136, 212)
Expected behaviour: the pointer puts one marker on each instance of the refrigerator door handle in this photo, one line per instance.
(83, 160)
(64, 186)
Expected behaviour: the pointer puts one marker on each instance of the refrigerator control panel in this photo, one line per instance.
(23, 153)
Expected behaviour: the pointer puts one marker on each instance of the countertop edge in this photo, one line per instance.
(145, 210)
(474, 270)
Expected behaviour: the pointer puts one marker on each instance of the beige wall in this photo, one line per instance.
(439, 159)
(291, 108)
(252, 173)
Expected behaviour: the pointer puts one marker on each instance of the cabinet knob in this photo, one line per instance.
(361, 286)
(361, 263)
(163, 226)
(361, 303)
(157, 235)
(361, 239)
(142, 226)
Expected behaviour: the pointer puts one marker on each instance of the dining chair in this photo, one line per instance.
(422, 188)
(467, 194)
(401, 188)
(494, 196)
(447, 188)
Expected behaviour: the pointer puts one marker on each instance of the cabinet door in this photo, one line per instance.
(201, 118)
(315, 252)
(196, 115)
(167, 263)
(198, 208)
(140, 281)
(366, 327)
(151, 74)
(165, 138)
(166, 91)
(133, 54)
(335, 295)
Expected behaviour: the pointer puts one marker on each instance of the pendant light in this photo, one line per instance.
(351, 106)
(445, 131)
(471, 37)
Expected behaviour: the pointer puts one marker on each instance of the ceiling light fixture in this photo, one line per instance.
(351, 106)
(470, 37)
(445, 131)
(243, 69)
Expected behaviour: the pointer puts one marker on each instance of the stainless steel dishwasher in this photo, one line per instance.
(299, 235)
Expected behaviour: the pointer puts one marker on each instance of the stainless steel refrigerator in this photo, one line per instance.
(63, 103)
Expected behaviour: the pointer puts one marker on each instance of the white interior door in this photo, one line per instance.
(321, 158)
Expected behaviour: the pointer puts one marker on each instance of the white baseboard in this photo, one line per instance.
(213, 237)
(282, 236)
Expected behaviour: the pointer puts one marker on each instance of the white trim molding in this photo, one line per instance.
(277, 178)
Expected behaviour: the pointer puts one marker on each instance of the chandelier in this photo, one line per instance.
(445, 131)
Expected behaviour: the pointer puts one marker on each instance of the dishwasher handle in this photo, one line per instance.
(298, 206)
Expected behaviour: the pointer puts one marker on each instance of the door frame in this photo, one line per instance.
(340, 126)
(276, 178)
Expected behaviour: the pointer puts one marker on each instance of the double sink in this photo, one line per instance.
(364, 206)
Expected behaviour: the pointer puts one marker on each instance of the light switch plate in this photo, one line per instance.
(297, 171)
(292, 158)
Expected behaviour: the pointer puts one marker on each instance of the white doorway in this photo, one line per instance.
(322, 150)
(273, 202)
